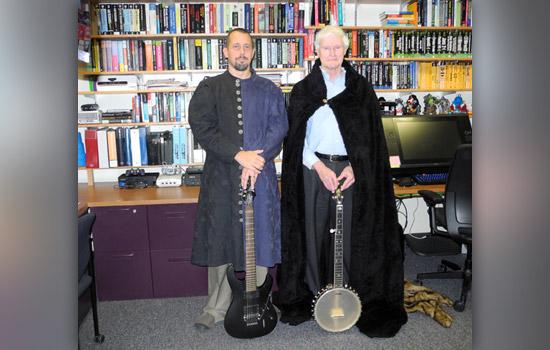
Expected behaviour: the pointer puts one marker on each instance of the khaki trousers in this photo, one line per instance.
(219, 291)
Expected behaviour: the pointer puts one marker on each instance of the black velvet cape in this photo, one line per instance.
(376, 239)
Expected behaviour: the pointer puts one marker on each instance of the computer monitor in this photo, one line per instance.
(424, 143)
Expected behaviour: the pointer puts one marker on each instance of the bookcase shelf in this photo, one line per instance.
(191, 35)
(363, 13)
(394, 28)
(418, 59)
(85, 73)
(101, 125)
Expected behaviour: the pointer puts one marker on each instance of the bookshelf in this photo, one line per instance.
(360, 16)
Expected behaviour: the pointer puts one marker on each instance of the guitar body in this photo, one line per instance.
(250, 314)
(336, 309)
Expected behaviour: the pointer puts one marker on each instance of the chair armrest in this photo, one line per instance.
(431, 198)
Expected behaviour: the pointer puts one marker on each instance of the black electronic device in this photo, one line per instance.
(424, 143)
(90, 107)
(137, 178)
(193, 176)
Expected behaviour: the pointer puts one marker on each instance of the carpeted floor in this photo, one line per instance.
(167, 324)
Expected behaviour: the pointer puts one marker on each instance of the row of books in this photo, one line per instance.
(158, 107)
(177, 18)
(416, 75)
(439, 13)
(158, 55)
(136, 146)
(414, 43)
(328, 12)
(398, 19)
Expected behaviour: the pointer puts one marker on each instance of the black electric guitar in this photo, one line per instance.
(251, 313)
(337, 307)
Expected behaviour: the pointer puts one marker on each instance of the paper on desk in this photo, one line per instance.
(394, 161)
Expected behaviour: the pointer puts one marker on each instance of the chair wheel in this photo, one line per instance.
(459, 306)
(99, 338)
(441, 268)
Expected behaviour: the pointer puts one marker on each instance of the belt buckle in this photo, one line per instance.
(330, 157)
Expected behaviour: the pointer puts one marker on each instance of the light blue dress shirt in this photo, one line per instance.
(322, 133)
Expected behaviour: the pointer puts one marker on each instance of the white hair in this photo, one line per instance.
(331, 30)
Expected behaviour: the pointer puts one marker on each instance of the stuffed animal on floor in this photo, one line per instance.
(427, 301)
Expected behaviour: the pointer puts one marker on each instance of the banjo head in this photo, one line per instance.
(336, 309)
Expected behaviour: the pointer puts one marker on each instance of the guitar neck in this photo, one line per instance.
(339, 247)
(249, 247)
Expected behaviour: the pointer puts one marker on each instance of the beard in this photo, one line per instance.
(240, 66)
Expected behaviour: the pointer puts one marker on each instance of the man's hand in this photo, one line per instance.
(326, 175)
(245, 174)
(329, 179)
(347, 173)
(251, 160)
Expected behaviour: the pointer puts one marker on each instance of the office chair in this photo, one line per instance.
(453, 213)
(86, 274)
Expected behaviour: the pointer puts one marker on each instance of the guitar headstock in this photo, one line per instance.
(248, 194)
(337, 196)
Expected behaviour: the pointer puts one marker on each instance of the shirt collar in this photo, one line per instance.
(326, 77)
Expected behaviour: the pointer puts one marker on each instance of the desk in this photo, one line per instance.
(82, 207)
(105, 194)
(412, 190)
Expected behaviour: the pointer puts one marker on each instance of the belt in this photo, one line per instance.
(332, 157)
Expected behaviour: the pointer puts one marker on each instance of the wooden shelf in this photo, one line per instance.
(130, 124)
(188, 35)
(420, 90)
(401, 59)
(134, 91)
(394, 28)
(185, 71)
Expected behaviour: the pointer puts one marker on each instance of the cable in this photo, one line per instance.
(414, 216)
(400, 204)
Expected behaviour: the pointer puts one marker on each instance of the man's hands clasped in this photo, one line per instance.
(252, 164)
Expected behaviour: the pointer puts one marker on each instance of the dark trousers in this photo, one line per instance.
(320, 214)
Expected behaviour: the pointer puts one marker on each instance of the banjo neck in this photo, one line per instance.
(338, 240)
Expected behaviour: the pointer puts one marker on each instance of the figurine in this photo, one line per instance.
(443, 105)
(399, 106)
(413, 105)
(458, 105)
(430, 104)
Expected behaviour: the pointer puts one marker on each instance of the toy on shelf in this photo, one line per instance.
(443, 105)
(412, 106)
(430, 104)
(398, 106)
(458, 105)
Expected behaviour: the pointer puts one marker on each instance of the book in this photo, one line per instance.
(135, 147)
(127, 147)
(143, 131)
(112, 148)
(153, 148)
(183, 145)
(102, 151)
(176, 145)
(90, 142)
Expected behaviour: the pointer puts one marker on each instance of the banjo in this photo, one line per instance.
(337, 307)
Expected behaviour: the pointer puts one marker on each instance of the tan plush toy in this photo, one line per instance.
(427, 301)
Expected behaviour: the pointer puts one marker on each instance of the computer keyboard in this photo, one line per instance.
(430, 179)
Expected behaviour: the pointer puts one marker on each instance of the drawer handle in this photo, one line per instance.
(172, 260)
(123, 256)
(175, 215)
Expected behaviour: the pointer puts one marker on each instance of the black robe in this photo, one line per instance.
(376, 239)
